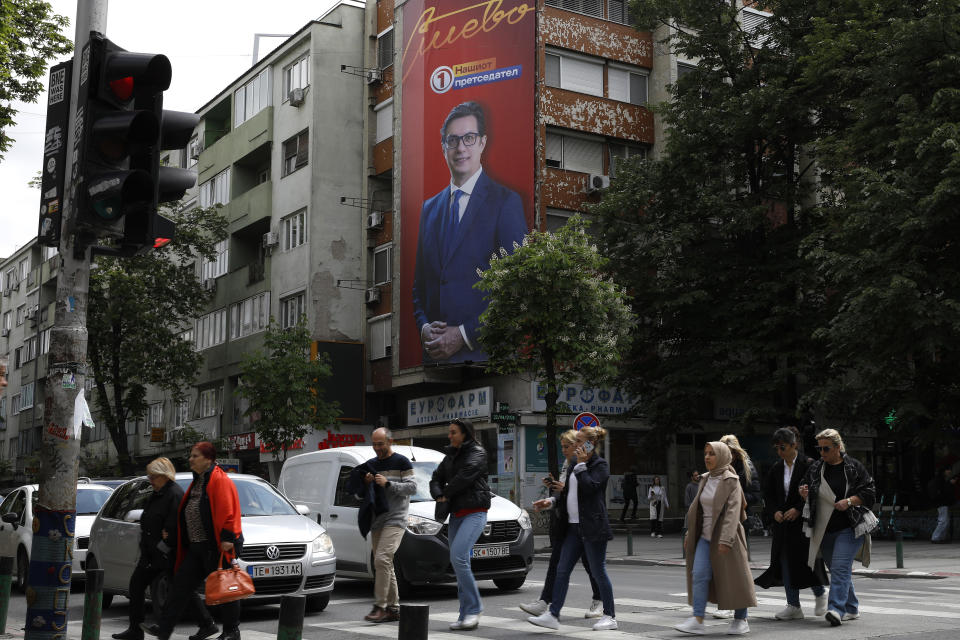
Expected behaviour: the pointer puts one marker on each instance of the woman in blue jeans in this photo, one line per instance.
(838, 491)
(585, 528)
(716, 545)
(461, 481)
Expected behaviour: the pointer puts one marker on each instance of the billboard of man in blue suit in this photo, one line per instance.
(460, 227)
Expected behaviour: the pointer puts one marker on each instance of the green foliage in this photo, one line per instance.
(29, 38)
(281, 383)
(138, 309)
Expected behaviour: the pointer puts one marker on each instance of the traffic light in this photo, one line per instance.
(118, 178)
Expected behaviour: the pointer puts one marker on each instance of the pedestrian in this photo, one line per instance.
(630, 493)
(582, 511)
(693, 486)
(746, 471)
(789, 548)
(838, 491)
(568, 445)
(208, 530)
(393, 474)
(657, 497)
(460, 480)
(716, 546)
(942, 492)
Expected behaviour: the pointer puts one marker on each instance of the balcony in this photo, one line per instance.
(255, 132)
(252, 205)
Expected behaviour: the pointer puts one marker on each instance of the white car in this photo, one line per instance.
(285, 551)
(16, 526)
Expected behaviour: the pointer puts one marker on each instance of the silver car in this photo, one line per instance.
(285, 551)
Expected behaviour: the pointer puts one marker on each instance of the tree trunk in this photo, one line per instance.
(551, 400)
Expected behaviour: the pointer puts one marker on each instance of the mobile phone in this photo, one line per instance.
(588, 446)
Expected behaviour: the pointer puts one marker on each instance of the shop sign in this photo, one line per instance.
(469, 404)
(242, 441)
(579, 397)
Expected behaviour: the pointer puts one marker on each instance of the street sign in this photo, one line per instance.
(585, 419)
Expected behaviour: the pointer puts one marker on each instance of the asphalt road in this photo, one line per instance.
(650, 600)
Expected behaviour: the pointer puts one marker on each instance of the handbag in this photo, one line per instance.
(227, 585)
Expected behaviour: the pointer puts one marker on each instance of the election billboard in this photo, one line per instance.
(466, 165)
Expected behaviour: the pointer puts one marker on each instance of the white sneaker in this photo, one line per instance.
(833, 618)
(659, 535)
(605, 623)
(595, 610)
(723, 614)
(789, 612)
(537, 608)
(850, 616)
(821, 607)
(738, 627)
(468, 623)
(653, 535)
(547, 620)
(690, 625)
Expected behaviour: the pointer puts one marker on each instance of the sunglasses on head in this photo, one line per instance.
(824, 449)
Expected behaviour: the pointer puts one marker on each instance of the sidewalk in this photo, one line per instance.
(921, 559)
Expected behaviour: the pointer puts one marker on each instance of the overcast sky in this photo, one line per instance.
(209, 43)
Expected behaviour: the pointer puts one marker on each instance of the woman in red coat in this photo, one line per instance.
(208, 525)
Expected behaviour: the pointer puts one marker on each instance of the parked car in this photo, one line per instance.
(285, 551)
(16, 526)
(504, 552)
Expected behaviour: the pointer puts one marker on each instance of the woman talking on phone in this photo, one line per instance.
(584, 528)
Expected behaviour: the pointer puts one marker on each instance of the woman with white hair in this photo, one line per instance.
(838, 491)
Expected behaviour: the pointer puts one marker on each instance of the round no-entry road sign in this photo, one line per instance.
(585, 419)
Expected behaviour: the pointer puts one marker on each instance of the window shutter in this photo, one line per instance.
(582, 76)
(582, 155)
(553, 70)
(554, 150)
(302, 145)
(384, 123)
(618, 83)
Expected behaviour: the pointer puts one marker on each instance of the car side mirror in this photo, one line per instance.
(12, 518)
(133, 515)
(303, 509)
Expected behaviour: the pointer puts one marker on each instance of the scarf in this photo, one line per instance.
(724, 459)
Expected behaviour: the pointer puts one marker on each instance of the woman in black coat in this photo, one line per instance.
(788, 553)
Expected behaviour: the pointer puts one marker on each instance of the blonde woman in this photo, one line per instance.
(743, 465)
(838, 491)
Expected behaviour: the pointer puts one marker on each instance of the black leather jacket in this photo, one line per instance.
(159, 514)
(462, 477)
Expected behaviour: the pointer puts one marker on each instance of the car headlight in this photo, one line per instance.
(323, 544)
(423, 526)
(524, 520)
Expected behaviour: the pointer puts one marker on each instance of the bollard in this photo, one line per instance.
(6, 571)
(629, 541)
(414, 621)
(92, 605)
(290, 626)
(898, 536)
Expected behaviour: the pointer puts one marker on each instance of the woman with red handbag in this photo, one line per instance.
(208, 527)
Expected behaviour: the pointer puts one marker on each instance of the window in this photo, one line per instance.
(3, 412)
(620, 152)
(574, 153)
(154, 416)
(590, 7)
(45, 341)
(211, 329)
(10, 279)
(21, 313)
(295, 152)
(574, 72)
(342, 497)
(218, 266)
(181, 412)
(384, 112)
(18, 358)
(296, 76)
(29, 349)
(252, 97)
(618, 11)
(209, 401)
(684, 69)
(756, 24)
(216, 190)
(627, 85)
(292, 309)
(250, 316)
(193, 152)
(7, 318)
(385, 49)
(294, 229)
(24, 268)
(380, 337)
(383, 264)
(15, 405)
(187, 336)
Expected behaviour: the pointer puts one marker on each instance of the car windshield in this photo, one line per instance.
(89, 501)
(422, 472)
(257, 498)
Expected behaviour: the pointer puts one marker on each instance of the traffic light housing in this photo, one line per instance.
(118, 178)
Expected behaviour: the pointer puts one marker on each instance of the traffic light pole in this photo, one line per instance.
(51, 563)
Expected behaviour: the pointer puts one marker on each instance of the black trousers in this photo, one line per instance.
(201, 559)
(626, 506)
(656, 524)
(143, 576)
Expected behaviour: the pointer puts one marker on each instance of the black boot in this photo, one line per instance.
(131, 633)
(205, 632)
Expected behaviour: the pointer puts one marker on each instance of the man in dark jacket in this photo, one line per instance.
(629, 493)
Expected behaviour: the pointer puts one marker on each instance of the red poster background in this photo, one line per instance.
(447, 33)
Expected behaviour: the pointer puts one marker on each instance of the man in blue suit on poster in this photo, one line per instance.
(460, 227)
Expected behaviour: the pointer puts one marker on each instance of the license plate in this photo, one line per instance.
(275, 570)
(494, 551)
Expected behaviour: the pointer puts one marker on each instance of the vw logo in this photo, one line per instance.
(487, 529)
(272, 552)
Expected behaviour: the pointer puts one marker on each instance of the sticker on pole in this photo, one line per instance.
(585, 419)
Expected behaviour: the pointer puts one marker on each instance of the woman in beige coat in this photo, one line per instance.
(716, 546)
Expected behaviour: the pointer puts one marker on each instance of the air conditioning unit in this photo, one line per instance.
(296, 97)
(596, 182)
(374, 76)
(271, 239)
(375, 220)
(373, 295)
(210, 284)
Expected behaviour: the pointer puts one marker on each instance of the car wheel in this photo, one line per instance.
(160, 592)
(509, 584)
(317, 603)
(23, 569)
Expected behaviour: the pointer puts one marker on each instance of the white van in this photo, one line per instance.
(504, 552)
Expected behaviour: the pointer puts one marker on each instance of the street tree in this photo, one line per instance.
(139, 309)
(30, 36)
(283, 387)
(555, 314)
